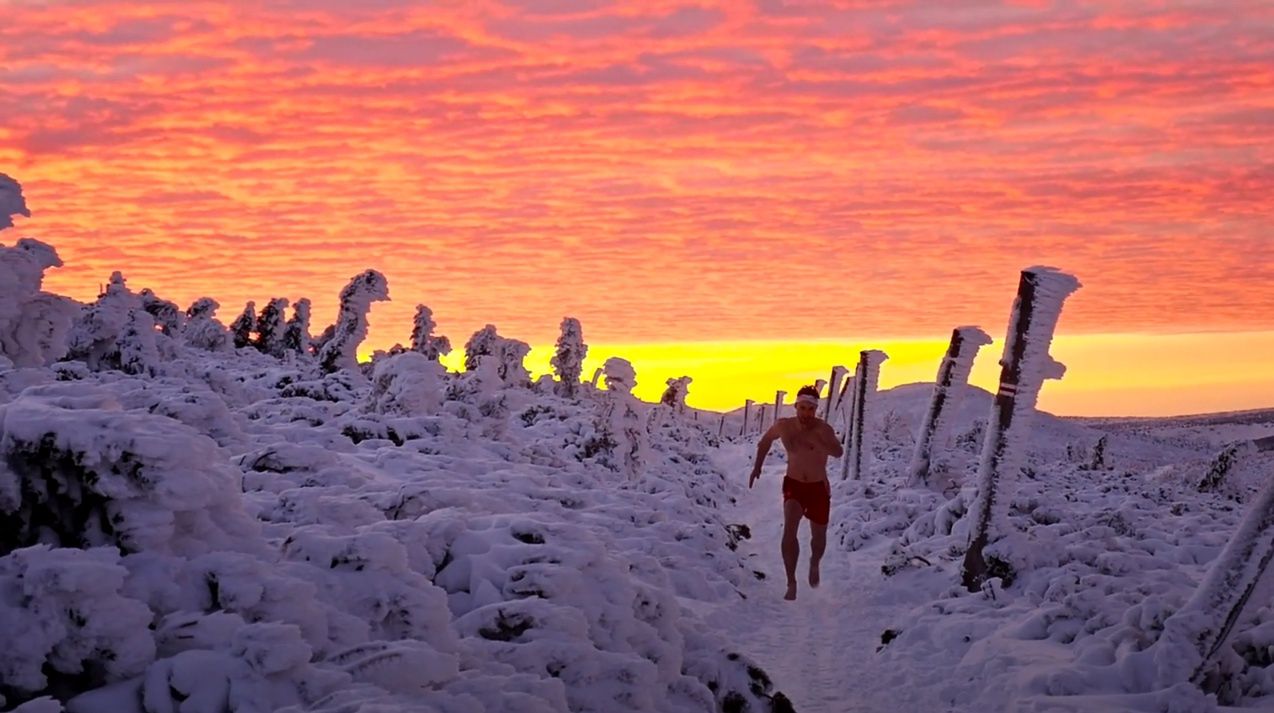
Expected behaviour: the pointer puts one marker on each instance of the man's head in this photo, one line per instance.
(806, 404)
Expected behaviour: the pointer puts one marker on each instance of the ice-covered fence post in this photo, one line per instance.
(747, 409)
(851, 387)
(865, 378)
(1025, 364)
(721, 428)
(760, 419)
(779, 395)
(1241, 575)
(838, 373)
(953, 373)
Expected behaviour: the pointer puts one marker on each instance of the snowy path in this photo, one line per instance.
(821, 649)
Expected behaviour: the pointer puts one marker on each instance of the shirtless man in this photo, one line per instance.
(808, 440)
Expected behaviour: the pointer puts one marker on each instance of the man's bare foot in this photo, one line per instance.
(791, 591)
(813, 574)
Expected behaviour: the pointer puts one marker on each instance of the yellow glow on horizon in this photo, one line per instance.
(1107, 374)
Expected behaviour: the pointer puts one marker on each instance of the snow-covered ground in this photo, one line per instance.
(189, 526)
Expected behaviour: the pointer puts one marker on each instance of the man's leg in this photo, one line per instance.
(791, 546)
(818, 543)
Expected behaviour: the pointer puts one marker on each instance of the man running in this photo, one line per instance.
(809, 441)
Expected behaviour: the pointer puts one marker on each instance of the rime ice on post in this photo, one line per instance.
(953, 374)
(833, 391)
(760, 419)
(1025, 365)
(747, 410)
(568, 360)
(779, 395)
(11, 201)
(1240, 576)
(341, 351)
(865, 378)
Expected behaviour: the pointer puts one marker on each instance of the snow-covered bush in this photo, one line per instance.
(244, 325)
(675, 395)
(568, 359)
(203, 330)
(296, 336)
(409, 383)
(341, 351)
(68, 621)
(167, 315)
(34, 325)
(423, 340)
(272, 328)
(11, 201)
(96, 337)
(81, 472)
(483, 342)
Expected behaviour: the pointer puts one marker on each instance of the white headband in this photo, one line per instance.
(806, 399)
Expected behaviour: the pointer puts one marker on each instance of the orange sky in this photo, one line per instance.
(667, 172)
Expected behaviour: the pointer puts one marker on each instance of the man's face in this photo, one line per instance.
(805, 412)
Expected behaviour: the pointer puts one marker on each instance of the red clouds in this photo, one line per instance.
(664, 171)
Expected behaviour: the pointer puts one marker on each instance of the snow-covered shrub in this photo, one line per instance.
(675, 395)
(296, 336)
(244, 325)
(510, 354)
(34, 325)
(68, 622)
(96, 337)
(483, 342)
(409, 383)
(568, 359)
(81, 472)
(423, 340)
(138, 353)
(341, 351)
(272, 328)
(11, 201)
(167, 315)
(203, 330)
(619, 439)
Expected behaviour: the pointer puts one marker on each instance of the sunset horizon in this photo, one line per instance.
(743, 193)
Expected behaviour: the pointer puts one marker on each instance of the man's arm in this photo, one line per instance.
(831, 441)
(763, 449)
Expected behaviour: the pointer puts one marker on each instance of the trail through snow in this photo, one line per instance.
(820, 650)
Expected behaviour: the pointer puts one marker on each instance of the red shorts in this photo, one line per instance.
(815, 498)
